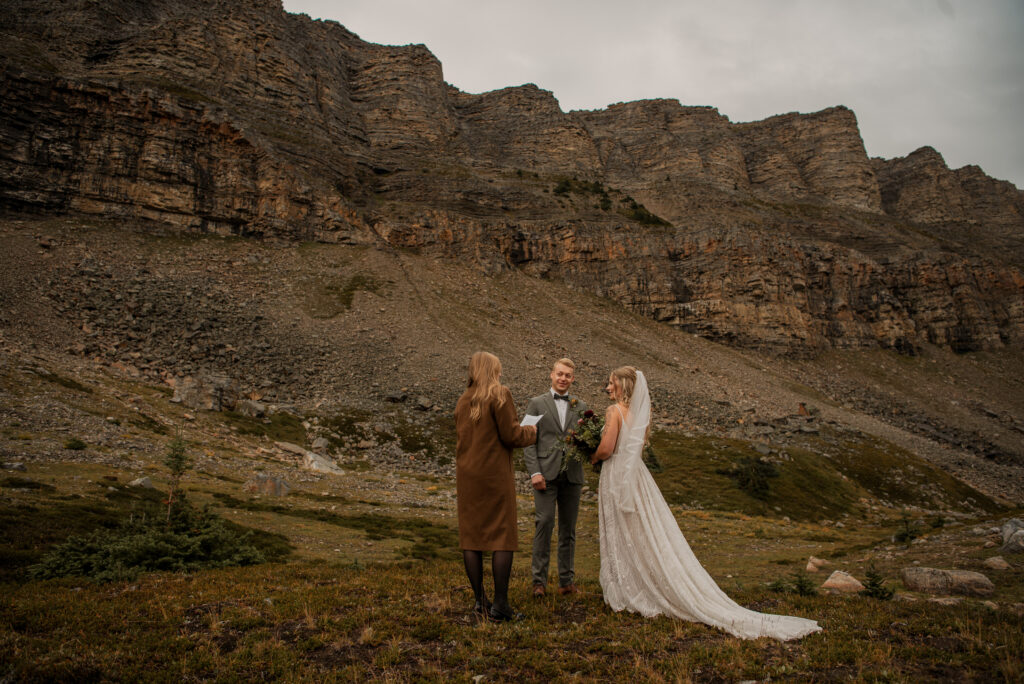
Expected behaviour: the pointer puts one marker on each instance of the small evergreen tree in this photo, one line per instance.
(874, 585)
(803, 585)
(906, 535)
(185, 540)
(177, 462)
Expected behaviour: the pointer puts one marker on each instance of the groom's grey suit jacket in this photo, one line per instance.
(542, 457)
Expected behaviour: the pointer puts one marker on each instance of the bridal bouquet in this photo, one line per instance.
(582, 440)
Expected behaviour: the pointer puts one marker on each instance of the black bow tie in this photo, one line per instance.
(563, 397)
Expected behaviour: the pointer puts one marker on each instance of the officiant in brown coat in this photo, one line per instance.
(487, 429)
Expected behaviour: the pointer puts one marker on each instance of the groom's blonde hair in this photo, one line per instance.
(564, 362)
(625, 377)
(483, 384)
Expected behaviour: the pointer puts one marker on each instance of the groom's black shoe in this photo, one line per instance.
(509, 614)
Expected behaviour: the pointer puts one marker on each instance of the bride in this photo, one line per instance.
(646, 564)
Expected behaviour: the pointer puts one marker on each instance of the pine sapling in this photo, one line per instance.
(177, 462)
(874, 585)
(803, 585)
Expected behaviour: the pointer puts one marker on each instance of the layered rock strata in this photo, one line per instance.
(239, 118)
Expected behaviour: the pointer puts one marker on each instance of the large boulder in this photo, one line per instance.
(311, 460)
(251, 408)
(842, 583)
(266, 485)
(816, 564)
(207, 392)
(1013, 536)
(1011, 527)
(936, 581)
(996, 563)
(1015, 544)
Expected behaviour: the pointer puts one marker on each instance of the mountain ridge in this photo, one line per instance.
(243, 119)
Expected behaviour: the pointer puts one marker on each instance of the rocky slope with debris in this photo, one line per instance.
(368, 348)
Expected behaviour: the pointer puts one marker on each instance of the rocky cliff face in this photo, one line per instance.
(239, 118)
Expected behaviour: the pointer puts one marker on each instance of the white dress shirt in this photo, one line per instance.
(562, 406)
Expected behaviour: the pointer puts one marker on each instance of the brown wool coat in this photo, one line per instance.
(484, 481)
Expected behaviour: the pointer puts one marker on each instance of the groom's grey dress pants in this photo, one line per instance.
(564, 496)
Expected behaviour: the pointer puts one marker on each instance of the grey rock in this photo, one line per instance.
(320, 445)
(144, 482)
(996, 563)
(816, 564)
(936, 581)
(266, 485)
(206, 392)
(20, 467)
(947, 600)
(253, 409)
(397, 397)
(291, 448)
(1015, 544)
(1010, 527)
(310, 460)
(840, 582)
(320, 464)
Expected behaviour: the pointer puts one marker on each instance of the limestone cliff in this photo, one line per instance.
(238, 118)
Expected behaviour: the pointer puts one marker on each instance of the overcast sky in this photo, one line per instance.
(945, 73)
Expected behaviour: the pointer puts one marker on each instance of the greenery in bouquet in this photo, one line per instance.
(582, 440)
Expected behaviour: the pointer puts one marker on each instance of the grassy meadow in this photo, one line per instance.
(366, 582)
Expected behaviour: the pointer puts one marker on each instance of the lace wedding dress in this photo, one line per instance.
(646, 564)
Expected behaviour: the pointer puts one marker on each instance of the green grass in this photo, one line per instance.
(434, 435)
(428, 539)
(282, 426)
(144, 422)
(411, 622)
(24, 483)
(328, 297)
(29, 529)
(811, 484)
(63, 381)
(346, 619)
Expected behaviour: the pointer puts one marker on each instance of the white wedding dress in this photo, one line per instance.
(646, 564)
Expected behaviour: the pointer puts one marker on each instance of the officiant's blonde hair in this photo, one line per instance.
(625, 378)
(483, 383)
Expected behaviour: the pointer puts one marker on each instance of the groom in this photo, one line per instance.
(553, 488)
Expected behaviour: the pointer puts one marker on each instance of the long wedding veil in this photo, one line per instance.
(632, 436)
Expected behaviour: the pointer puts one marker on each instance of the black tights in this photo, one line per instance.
(501, 568)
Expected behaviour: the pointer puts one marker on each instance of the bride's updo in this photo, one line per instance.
(625, 378)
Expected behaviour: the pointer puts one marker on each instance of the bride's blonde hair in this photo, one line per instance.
(483, 384)
(625, 378)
